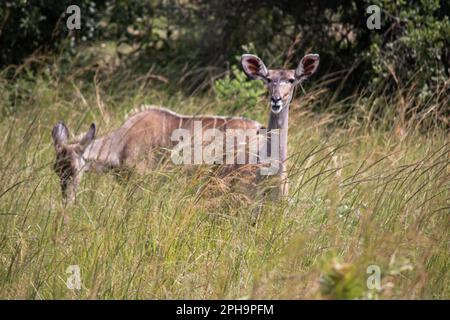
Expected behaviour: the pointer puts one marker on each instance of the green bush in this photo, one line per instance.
(237, 88)
(191, 42)
(30, 27)
(415, 46)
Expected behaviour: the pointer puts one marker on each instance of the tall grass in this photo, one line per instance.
(360, 195)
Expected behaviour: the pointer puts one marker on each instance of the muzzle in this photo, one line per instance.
(276, 106)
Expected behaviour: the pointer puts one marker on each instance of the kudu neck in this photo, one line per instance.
(280, 122)
(101, 154)
(92, 150)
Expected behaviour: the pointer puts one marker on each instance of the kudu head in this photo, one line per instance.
(70, 163)
(280, 82)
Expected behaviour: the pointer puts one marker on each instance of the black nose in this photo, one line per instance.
(275, 99)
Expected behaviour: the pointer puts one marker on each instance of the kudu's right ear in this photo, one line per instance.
(307, 66)
(254, 67)
(60, 135)
(88, 137)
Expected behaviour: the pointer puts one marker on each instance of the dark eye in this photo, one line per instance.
(269, 80)
(291, 80)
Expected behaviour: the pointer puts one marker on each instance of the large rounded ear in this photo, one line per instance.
(88, 137)
(60, 134)
(254, 67)
(307, 66)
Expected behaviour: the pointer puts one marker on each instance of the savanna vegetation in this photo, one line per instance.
(369, 164)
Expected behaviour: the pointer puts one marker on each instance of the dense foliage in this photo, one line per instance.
(414, 35)
(193, 42)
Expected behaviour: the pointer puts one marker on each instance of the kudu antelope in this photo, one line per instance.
(136, 143)
(280, 84)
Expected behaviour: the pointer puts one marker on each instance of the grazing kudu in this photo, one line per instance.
(281, 85)
(136, 144)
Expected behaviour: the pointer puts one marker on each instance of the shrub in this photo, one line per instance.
(414, 46)
(236, 87)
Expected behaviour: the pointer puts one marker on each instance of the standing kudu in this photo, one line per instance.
(281, 85)
(139, 140)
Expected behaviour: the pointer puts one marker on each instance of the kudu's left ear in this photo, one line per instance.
(307, 66)
(88, 137)
(254, 67)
